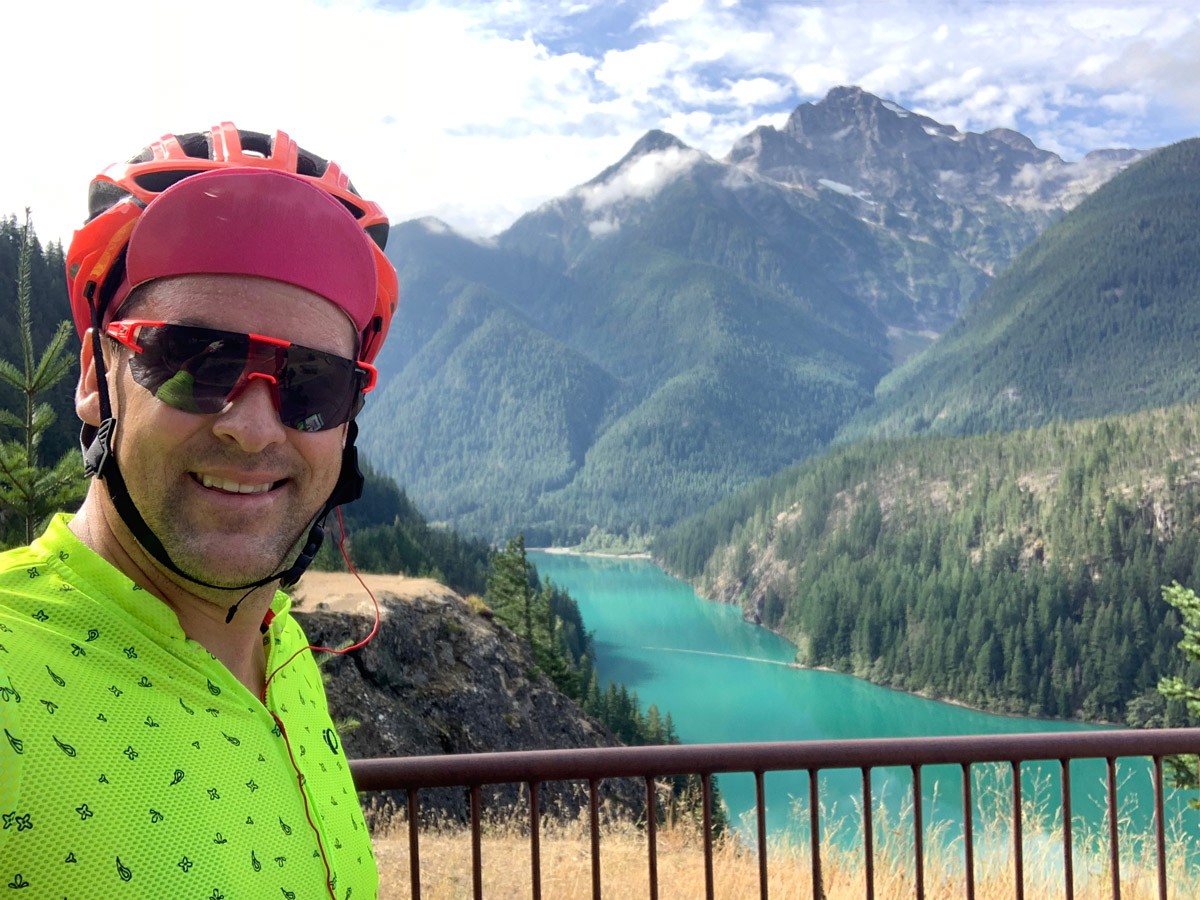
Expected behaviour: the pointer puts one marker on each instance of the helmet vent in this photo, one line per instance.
(158, 182)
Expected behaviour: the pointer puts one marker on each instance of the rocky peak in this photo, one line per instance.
(895, 162)
(653, 141)
(851, 115)
(1015, 140)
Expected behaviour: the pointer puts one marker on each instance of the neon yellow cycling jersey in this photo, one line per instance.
(133, 764)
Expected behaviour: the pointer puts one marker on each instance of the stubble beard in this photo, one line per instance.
(245, 550)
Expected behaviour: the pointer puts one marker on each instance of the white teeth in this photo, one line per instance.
(233, 487)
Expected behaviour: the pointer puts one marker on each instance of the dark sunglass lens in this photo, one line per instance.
(316, 390)
(190, 369)
(196, 369)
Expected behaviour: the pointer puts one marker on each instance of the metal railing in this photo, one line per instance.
(535, 768)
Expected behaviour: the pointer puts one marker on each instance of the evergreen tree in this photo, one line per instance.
(30, 492)
(510, 587)
(1183, 769)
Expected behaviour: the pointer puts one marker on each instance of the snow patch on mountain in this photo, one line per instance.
(838, 187)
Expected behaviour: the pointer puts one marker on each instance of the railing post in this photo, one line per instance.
(1114, 845)
(868, 832)
(414, 849)
(652, 834)
(1160, 838)
(594, 819)
(760, 806)
(918, 833)
(476, 843)
(706, 794)
(535, 839)
(1068, 840)
(968, 831)
(1018, 833)
(814, 822)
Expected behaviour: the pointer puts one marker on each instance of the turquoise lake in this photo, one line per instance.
(725, 680)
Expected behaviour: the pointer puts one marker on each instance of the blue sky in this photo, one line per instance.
(476, 112)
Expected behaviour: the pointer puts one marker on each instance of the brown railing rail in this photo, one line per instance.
(536, 767)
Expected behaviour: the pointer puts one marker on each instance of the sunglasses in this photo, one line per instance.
(202, 370)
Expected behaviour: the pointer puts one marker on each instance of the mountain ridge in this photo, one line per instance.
(674, 295)
(1094, 318)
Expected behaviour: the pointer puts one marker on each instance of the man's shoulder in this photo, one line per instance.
(21, 571)
(56, 539)
(54, 563)
(19, 558)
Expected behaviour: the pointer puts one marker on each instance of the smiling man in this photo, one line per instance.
(165, 729)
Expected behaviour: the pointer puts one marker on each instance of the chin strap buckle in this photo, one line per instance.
(99, 451)
(315, 538)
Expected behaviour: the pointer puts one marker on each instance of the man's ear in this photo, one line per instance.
(87, 396)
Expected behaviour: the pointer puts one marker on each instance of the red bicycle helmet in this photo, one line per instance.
(118, 196)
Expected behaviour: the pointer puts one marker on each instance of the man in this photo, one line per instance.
(165, 729)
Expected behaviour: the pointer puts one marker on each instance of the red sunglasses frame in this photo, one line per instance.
(123, 330)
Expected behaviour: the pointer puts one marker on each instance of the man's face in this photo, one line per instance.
(228, 494)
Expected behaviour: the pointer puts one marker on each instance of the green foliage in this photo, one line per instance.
(386, 533)
(547, 618)
(1097, 317)
(600, 541)
(1017, 572)
(1175, 689)
(562, 382)
(510, 590)
(544, 616)
(30, 492)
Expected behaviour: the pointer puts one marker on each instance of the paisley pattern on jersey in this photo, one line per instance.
(133, 764)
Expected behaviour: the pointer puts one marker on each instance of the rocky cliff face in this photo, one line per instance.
(985, 196)
(895, 155)
(441, 677)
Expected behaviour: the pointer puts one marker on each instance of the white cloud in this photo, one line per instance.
(639, 179)
(635, 72)
(674, 11)
(758, 91)
(607, 225)
(476, 112)
(1124, 103)
(813, 78)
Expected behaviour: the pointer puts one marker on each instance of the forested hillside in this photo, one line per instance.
(1098, 316)
(680, 326)
(1019, 572)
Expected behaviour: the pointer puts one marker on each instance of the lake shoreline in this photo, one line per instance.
(725, 680)
(598, 554)
(923, 694)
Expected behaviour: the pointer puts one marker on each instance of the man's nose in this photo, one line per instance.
(251, 414)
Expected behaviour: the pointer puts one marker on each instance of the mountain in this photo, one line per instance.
(1098, 316)
(679, 326)
(985, 196)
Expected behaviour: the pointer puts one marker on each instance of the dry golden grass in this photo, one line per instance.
(566, 866)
